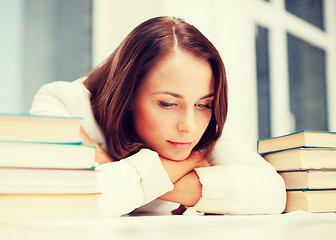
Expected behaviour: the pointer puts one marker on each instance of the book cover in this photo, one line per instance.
(49, 181)
(309, 179)
(311, 201)
(302, 159)
(304, 138)
(21, 208)
(35, 128)
(46, 155)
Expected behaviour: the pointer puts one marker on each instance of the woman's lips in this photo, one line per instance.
(180, 145)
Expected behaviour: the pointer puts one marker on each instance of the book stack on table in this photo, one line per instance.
(307, 162)
(46, 173)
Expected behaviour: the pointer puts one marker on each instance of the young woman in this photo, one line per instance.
(156, 109)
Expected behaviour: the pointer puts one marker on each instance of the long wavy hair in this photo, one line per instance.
(114, 83)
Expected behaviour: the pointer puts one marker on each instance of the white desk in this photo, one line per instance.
(296, 225)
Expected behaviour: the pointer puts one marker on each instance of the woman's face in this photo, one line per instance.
(172, 108)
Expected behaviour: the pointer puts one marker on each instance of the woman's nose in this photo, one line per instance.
(187, 122)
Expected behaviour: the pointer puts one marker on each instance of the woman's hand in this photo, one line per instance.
(101, 155)
(187, 190)
(198, 159)
(178, 169)
(187, 187)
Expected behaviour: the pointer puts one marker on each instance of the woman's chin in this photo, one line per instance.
(176, 156)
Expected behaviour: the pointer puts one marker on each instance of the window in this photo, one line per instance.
(307, 82)
(57, 43)
(309, 10)
(263, 82)
(295, 59)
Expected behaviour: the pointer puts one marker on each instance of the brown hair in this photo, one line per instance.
(114, 83)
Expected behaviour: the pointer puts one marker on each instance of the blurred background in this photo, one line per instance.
(280, 55)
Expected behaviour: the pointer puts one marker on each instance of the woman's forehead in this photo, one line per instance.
(181, 71)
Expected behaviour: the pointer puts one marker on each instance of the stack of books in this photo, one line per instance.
(307, 162)
(46, 173)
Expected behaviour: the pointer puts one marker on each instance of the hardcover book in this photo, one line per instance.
(304, 138)
(303, 159)
(309, 179)
(48, 181)
(35, 128)
(46, 155)
(311, 201)
(18, 208)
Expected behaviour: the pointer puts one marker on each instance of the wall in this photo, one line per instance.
(11, 15)
(230, 25)
(226, 23)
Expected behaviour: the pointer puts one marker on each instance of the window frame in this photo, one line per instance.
(273, 16)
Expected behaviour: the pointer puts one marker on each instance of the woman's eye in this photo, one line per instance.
(166, 104)
(204, 106)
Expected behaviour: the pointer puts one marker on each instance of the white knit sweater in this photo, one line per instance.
(240, 182)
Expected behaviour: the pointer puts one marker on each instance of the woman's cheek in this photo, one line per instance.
(203, 120)
(152, 123)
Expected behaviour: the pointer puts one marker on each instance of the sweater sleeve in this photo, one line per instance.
(132, 183)
(240, 182)
(68, 99)
(51, 100)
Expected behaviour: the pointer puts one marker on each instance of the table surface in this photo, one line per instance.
(295, 225)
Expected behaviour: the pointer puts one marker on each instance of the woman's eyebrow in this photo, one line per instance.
(176, 95)
(208, 96)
